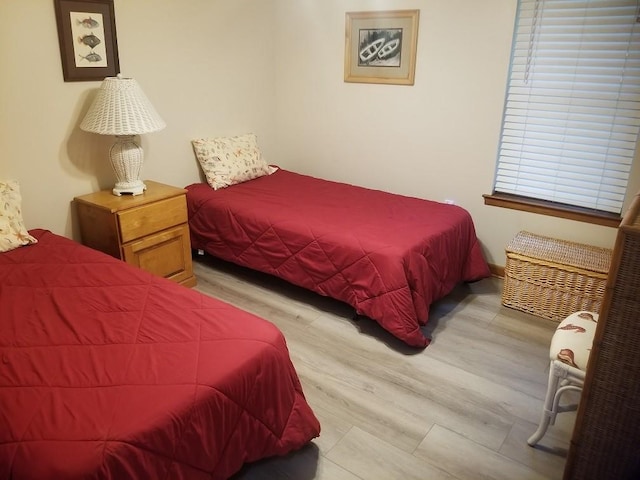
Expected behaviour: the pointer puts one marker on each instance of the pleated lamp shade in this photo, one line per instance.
(121, 108)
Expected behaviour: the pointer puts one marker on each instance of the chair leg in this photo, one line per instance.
(548, 410)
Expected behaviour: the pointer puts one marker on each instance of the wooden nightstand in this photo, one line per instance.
(149, 231)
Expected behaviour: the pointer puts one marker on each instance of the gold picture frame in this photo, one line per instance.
(381, 46)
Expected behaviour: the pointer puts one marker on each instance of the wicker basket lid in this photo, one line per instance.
(578, 255)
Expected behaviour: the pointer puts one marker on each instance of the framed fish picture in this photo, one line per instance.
(87, 36)
(381, 47)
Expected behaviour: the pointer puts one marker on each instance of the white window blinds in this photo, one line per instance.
(572, 111)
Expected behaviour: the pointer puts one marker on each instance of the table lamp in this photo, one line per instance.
(122, 109)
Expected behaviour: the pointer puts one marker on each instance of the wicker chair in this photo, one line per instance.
(569, 354)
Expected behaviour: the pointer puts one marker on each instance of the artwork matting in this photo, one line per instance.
(380, 46)
(87, 37)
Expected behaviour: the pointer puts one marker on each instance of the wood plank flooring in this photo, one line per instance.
(460, 409)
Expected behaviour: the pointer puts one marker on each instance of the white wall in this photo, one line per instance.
(206, 65)
(437, 139)
(275, 67)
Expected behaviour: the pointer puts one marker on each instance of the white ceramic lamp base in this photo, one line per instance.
(126, 159)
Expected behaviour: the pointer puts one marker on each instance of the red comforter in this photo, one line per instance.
(388, 256)
(109, 372)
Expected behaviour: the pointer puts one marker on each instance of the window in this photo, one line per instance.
(572, 110)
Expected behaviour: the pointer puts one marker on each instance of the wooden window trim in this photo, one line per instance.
(554, 209)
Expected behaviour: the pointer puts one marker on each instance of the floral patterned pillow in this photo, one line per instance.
(226, 161)
(13, 233)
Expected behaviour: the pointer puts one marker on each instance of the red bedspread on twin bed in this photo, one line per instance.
(109, 372)
(388, 256)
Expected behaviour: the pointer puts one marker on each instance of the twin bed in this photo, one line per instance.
(107, 371)
(388, 256)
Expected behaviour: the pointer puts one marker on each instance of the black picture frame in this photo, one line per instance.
(88, 41)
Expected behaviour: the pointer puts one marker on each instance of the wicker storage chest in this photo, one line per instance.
(553, 278)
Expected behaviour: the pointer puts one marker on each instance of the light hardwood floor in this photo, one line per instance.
(460, 409)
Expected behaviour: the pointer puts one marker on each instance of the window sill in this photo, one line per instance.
(516, 202)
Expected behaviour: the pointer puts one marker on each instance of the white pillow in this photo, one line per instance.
(13, 233)
(226, 161)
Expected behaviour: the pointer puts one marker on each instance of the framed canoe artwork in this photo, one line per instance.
(381, 47)
(87, 36)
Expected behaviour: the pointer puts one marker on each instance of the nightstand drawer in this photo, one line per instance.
(167, 254)
(146, 219)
